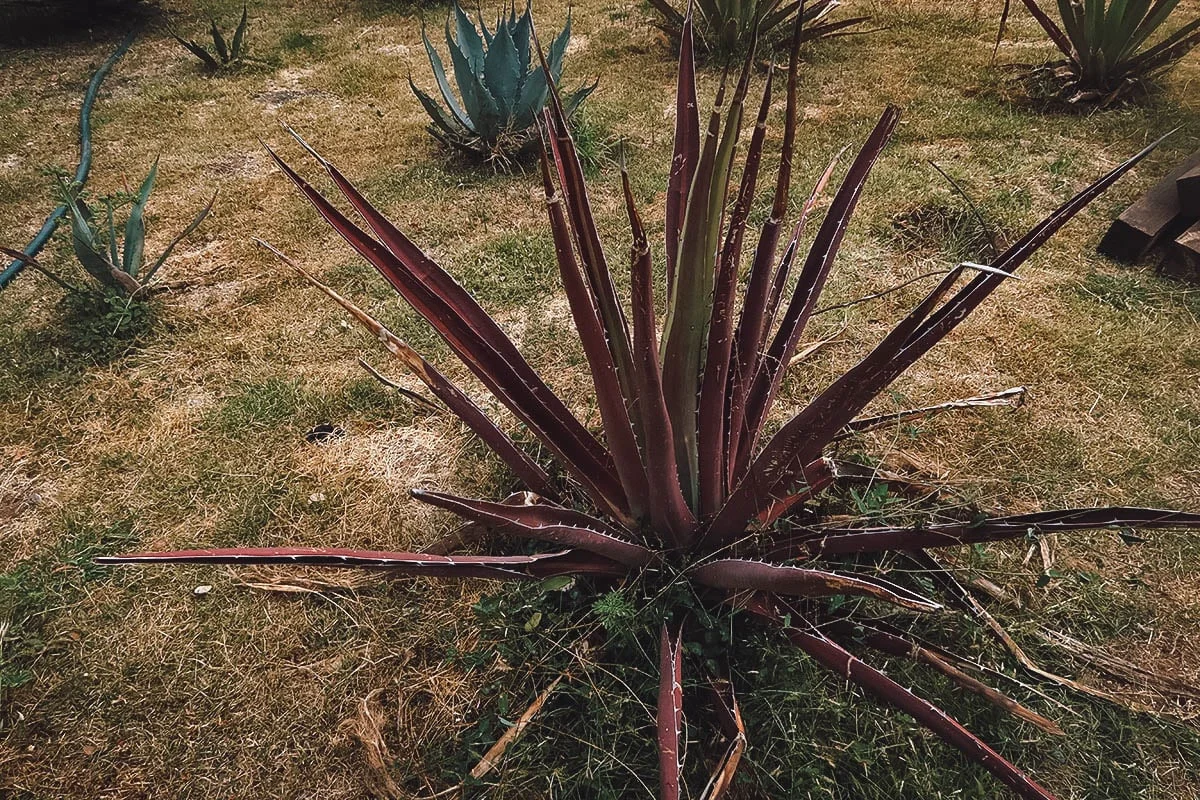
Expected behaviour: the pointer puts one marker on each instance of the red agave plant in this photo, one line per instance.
(685, 481)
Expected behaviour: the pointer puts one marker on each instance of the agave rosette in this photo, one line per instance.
(1106, 46)
(502, 92)
(685, 480)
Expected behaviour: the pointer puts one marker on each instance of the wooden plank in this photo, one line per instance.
(1146, 221)
(1188, 187)
(1186, 249)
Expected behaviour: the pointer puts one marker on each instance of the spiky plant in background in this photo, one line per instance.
(502, 94)
(117, 266)
(1104, 43)
(727, 27)
(224, 55)
(687, 488)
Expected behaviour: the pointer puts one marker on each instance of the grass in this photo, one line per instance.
(191, 432)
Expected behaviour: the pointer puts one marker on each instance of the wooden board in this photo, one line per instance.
(1146, 221)
(1188, 187)
(1186, 248)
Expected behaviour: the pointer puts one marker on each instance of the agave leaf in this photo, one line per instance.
(219, 43)
(713, 457)
(686, 330)
(736, 573)
(817, 266)
(801, 439)
(750, 332)
(237, 47)
(818, 476)
(166, 253)
(532, 98)
(841, 662)
(669, 513)
(112, 234)
(502, 73)
(861, 540)
(439, 74)
(1165, 53)
(469, 43)
(479, 104)
(618, 427)
(135, 227)
(670, 713)
(558, 49)
(547, 523)
(423, 565)
(459, 404)
(521, 30)
(672, 19)
(474, 337)
(896, 645)
(440, 119)
(573, 100)
(1060, 39)
(687, 149)
(83, 241)
(587, 237)
(199, 52)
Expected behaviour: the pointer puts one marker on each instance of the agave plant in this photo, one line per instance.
(223, 55)
(727, 27)
(1105, 44)
(686, 485)
(502, 95)
(117, 267)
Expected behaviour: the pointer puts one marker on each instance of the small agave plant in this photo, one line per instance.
(502, 95)
(224, 54)
(687, 483)
(727, 27)
(1105, 44)
(116, 264)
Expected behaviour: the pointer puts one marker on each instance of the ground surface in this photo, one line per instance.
(126, 683)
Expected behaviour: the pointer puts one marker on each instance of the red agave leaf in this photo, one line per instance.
(737, 573)
(403, 563)
(687, 147)
(713, 399)
(479, 342)
(670, 713)
(613, 411)
(838, 660)
(669, 513)
(545, 522)
(461, 405)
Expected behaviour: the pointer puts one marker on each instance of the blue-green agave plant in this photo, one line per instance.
(501, 95)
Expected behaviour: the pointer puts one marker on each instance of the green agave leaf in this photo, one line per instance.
(1153, 20)
(84, 243)
(439, 74)
(488, 36)
(239, 36)
(532, 99)
(112, 235)
(135, 228)
(501, 73)
(199, 52)
(219, 43)
(558, 49)
(480, 106)
(435, 112)
(469, 41)
(521, 29)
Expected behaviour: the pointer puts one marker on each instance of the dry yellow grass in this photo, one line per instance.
(142, 688)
